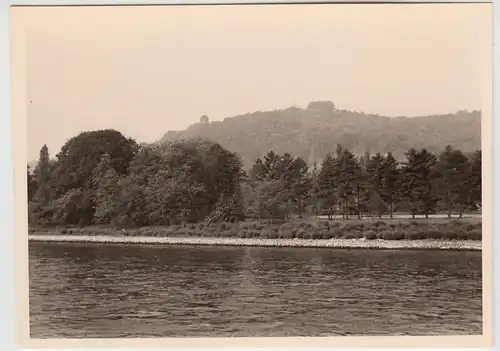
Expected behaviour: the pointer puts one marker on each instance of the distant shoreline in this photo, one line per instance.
(257, 242)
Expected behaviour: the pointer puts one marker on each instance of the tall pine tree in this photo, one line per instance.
(419, 175)
(391, 183)
(453, 167)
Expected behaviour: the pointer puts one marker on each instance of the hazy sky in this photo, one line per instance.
(147, 70)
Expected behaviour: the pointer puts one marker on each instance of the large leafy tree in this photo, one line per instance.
(72, 208)
(81, 154)
(184, 181)
(106, 185)
(66, 190)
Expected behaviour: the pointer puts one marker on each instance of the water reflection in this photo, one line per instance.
(84, 290)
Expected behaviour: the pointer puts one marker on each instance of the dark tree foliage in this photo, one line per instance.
(418, 186)
(81, 154)
(104, 178)
(391, 180)
(280, 186)
(474, 183)
(454, 181)
(374, 183)
(66, 191)
(32, 185)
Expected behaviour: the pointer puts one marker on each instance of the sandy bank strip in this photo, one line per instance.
(328, 243)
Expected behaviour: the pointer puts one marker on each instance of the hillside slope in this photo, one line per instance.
(311, 133)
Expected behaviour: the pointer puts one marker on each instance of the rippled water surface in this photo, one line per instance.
(91, 291)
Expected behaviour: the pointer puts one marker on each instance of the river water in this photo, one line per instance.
(116, 291)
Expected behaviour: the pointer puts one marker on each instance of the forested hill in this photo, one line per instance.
(312, 132)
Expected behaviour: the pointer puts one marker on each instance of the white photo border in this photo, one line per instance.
(8, 310)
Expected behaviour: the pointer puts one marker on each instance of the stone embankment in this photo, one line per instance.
(316, 243)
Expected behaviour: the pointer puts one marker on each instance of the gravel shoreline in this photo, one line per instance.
(315, 243)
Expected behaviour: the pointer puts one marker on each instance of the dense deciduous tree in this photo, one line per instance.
(81, 154)
(106, 185)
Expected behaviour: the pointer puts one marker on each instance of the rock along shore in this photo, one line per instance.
(315, 243)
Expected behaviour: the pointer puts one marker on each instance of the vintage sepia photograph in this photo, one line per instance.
(216, 171)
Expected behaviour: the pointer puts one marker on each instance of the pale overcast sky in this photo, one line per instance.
(147, 70)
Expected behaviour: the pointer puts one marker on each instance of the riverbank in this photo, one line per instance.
(313, 243)
(307, 229)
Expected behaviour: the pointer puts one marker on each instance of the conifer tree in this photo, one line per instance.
(419, 174)
(453, 168)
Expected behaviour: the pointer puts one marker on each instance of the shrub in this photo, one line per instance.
(352, 235)
(474, 235)
(391, 235)
(324, 224)
(307, 235)
(451, 235)
(300, 233)
(340, 231)
(455, 223)
(290, 235)
(335, 225)
(379, 224)
(360, 226)
(370, 235)
(434, 234)
(415, 235)
(253, 233)
(327, 235)
(470, 227)
(316, 235)
(272, 234)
